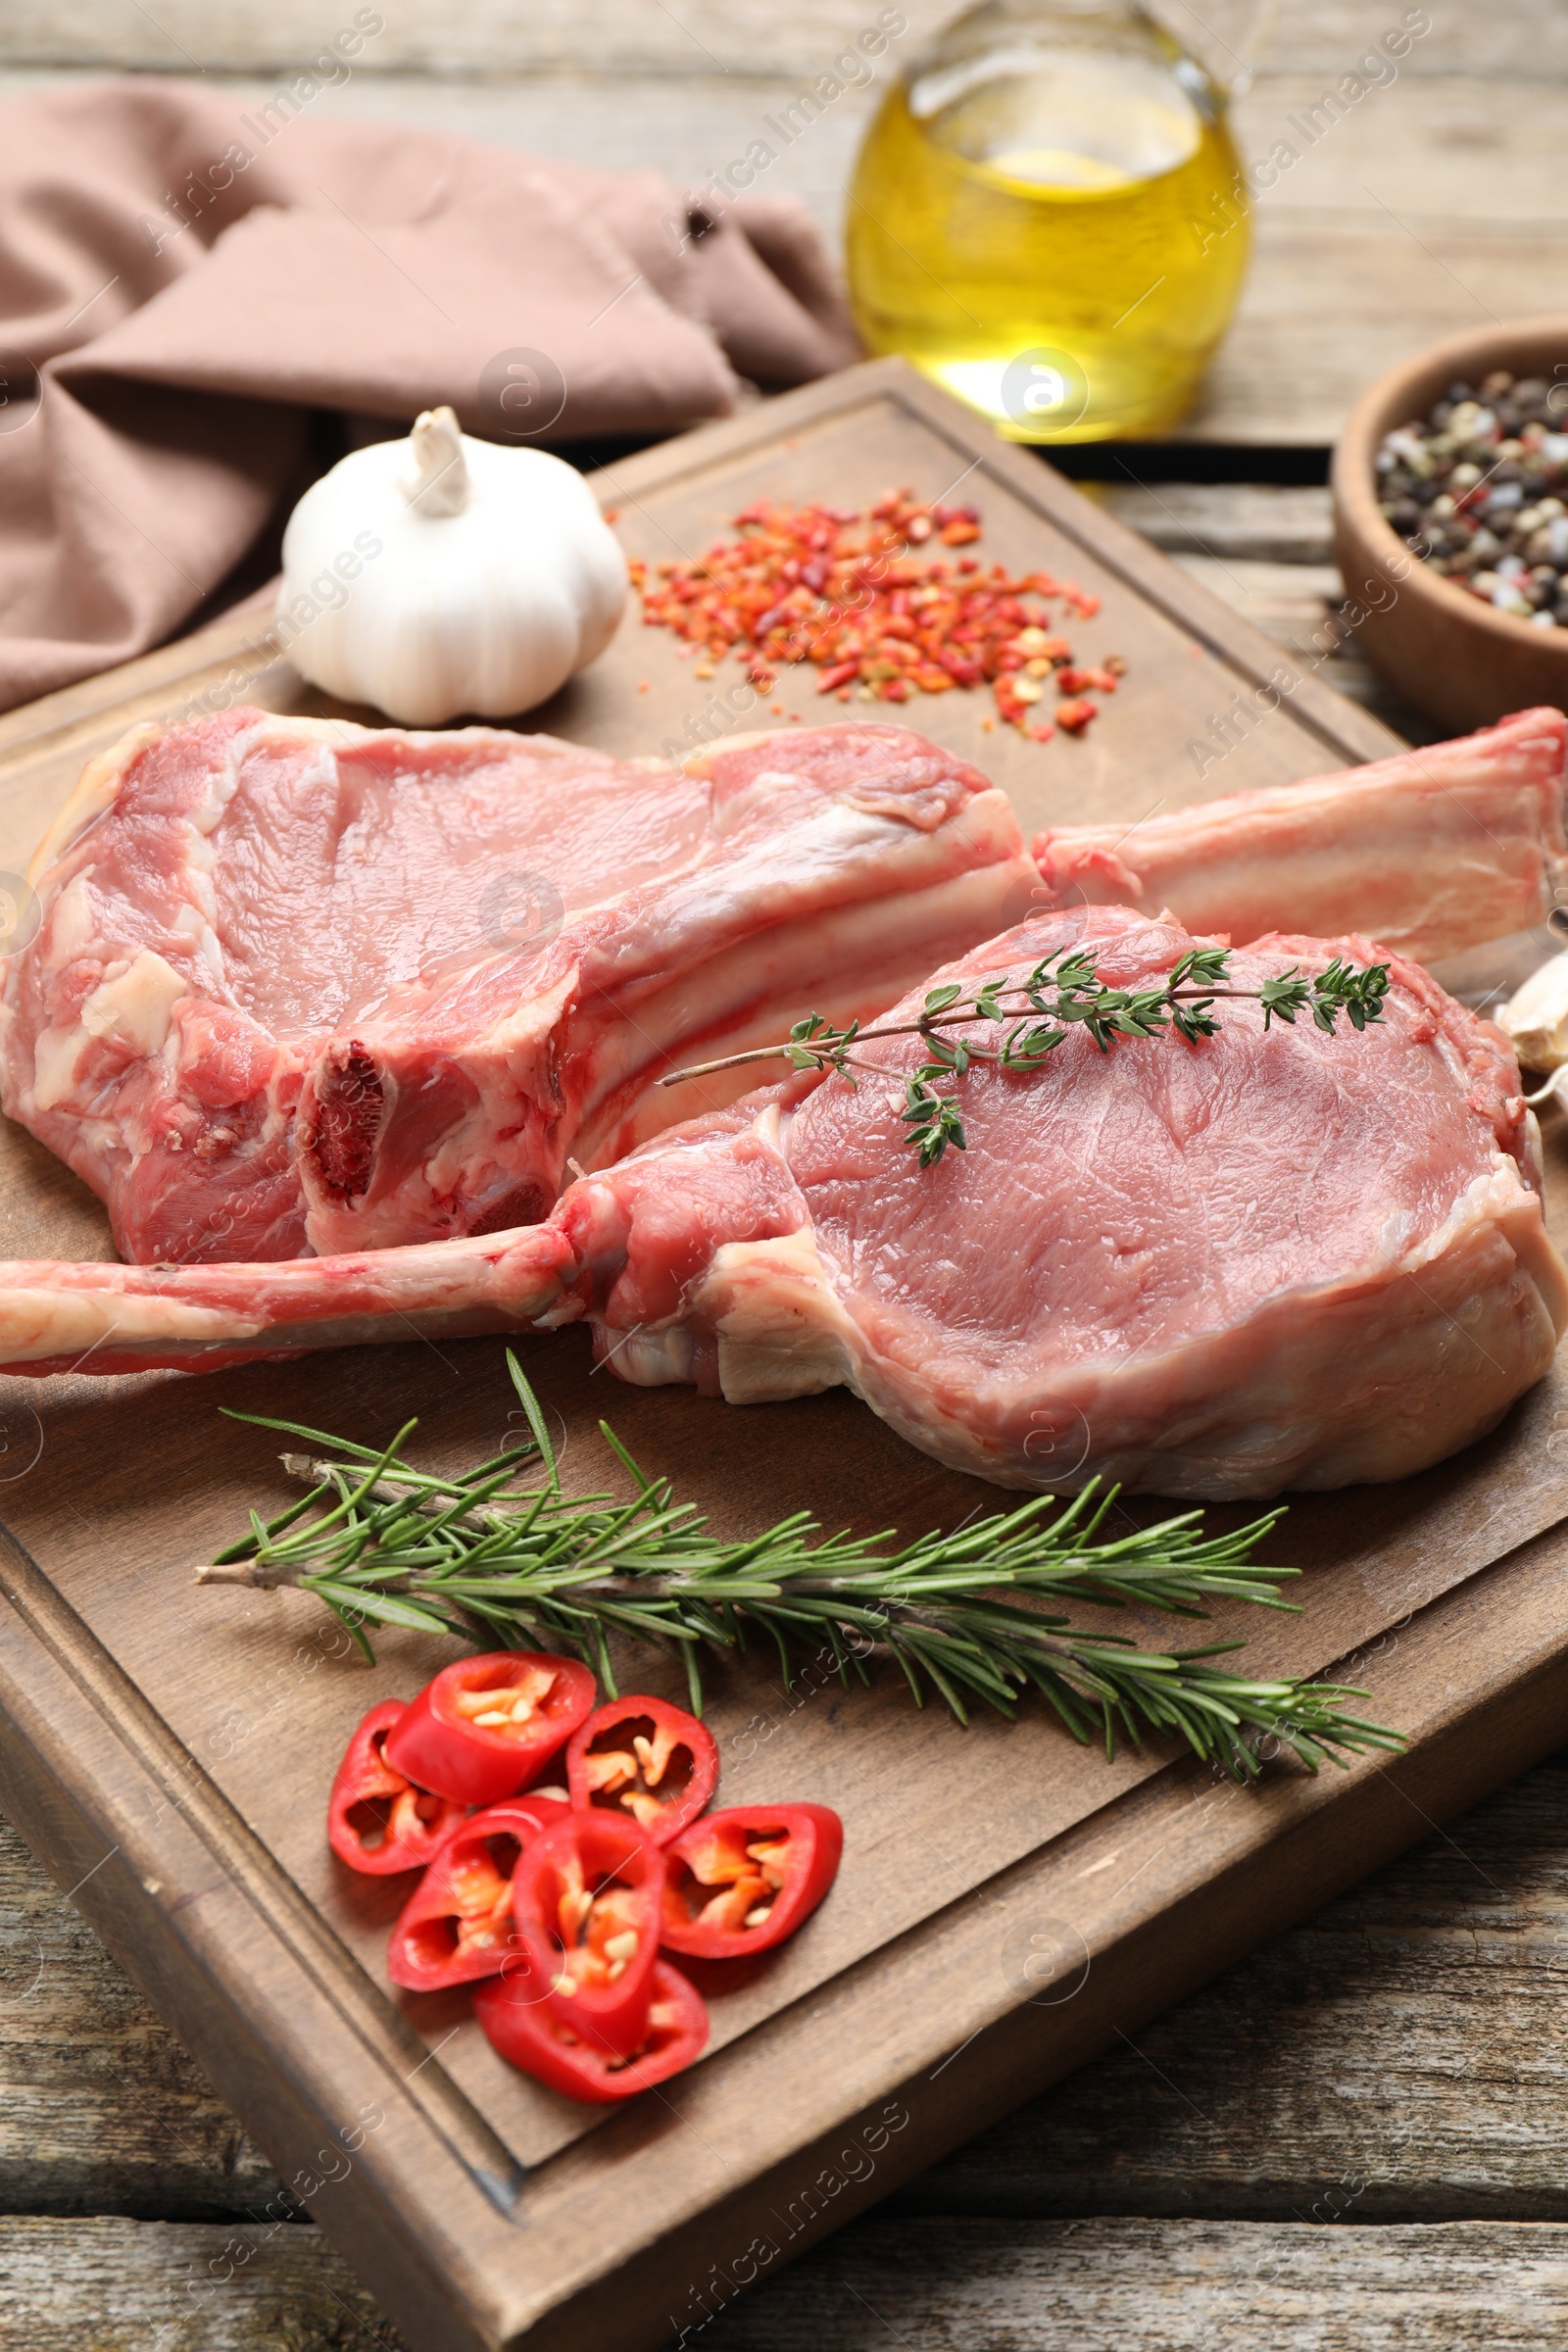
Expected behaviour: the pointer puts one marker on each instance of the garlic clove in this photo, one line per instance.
(1555, 1089)
(440, 483)
(1536, 1018)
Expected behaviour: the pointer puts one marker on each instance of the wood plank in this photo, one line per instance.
(141, 1744)
(1401, 2054)
(685, 124)
(156, 2286)
(1265, 550)
(1335, 297)
(1413, 2029)
(1528, 39)
(1516, 1650)
(1410, 2034)
(44, 746)
(1098, 2286)
(1434, 147)
(1256, 523)
(1165, 2286)
(1300, 605)
(1429, 206)
(102, 2110)
(1292, 602)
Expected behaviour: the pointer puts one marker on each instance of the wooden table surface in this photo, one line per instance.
(1398, 2064)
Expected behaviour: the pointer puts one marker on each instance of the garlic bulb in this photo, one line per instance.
(1536, 1018)
(442, 575)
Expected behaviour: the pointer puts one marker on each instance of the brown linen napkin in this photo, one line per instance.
(192, 280)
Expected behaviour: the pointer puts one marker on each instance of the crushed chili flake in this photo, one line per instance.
(844, 590)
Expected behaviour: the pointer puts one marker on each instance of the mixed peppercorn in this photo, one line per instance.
(850, 592)
(1479, 489)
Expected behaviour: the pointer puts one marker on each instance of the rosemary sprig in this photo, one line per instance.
(1039, 1010)
(379, 1540)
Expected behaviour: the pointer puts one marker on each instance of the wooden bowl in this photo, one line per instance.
(1448, 655)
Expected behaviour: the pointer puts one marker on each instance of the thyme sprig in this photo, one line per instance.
(1038, 1012)
(381, 1541)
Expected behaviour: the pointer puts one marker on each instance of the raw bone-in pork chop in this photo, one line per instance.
(299, 986)
(1210, 1270)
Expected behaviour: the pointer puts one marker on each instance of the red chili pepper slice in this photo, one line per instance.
(587, 1895)
(643, 1757)
(456, 1924)
(740, 1880)
(377, 1819)
(488, 1725)
(536, 2039)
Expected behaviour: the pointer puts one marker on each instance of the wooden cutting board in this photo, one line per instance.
(1008, 1902)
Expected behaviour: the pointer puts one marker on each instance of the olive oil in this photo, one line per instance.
(1050, 218)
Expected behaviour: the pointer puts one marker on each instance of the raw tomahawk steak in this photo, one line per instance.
(300, 986)
(1220, 1269)
(303, 987)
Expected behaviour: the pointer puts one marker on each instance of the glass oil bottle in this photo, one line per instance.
(1050, 218)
